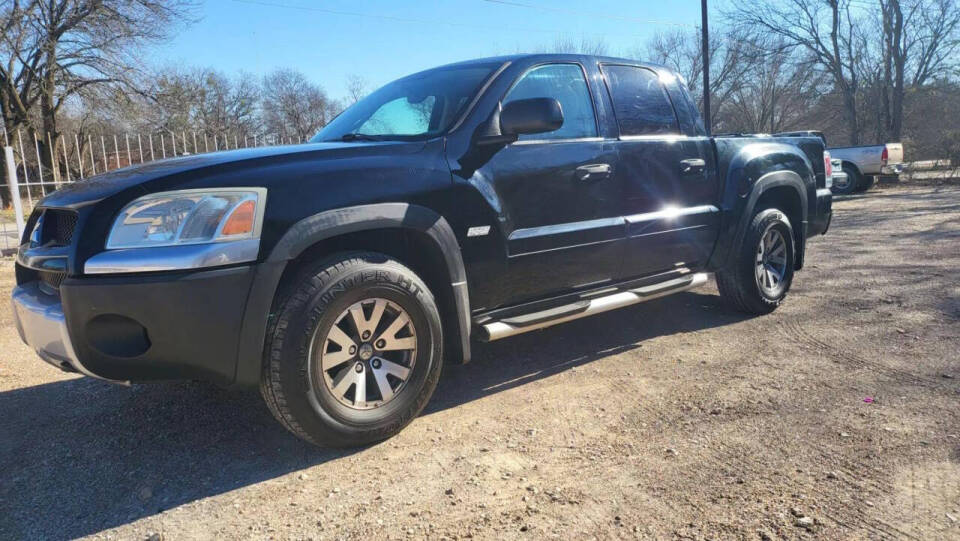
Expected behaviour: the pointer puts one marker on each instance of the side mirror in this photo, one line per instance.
(533, 115)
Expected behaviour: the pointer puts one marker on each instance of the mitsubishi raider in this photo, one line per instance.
(474, 201)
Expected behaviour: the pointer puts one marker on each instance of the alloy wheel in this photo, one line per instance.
(771, 263)
(367, 356)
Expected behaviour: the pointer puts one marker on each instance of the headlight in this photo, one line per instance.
(189, 217)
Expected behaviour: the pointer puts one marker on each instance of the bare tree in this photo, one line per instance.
(66, 46)
(829, 30)
(775, 93)
(682, 51)
(572, 45)
(227, 106)
(356, 88)
(294, 106)
(921, 40)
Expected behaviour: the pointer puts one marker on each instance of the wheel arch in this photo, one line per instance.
(852, 165)
(782, 188)
(415, 235)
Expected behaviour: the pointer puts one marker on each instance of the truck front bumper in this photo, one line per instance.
(154, 327)
(42, 326)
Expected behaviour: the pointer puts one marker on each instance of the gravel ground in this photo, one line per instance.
(835, 417)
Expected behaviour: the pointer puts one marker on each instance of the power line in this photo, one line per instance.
(589, 13)
(420, 21)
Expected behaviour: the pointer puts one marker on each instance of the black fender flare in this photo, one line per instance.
(332, 223)
(774, 179)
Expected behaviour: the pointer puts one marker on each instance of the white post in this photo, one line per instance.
(23, 163)
(66, 163)
(76, 142)
(103, 152)
(36, 146)
(116, 150)
(93, 159)
(53, 167)
(14, 190)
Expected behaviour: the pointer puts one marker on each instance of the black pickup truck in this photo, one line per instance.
(473, 201)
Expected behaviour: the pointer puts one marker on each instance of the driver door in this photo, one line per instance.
(560, 212)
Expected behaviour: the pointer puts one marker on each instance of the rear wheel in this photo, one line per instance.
(866, 182)
(354, 353)
(849, 185)
(758, 279)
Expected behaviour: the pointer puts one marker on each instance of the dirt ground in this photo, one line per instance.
(835, 417)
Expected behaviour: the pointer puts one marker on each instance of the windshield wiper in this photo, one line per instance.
(359, 137)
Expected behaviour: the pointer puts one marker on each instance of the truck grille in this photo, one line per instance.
(52, 279)
(58, 227)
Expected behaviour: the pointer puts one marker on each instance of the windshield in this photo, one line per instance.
(416, 107)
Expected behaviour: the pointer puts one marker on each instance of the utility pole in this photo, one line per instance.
(705, 38)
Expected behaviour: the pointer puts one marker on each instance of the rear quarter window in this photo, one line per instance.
(640, 102)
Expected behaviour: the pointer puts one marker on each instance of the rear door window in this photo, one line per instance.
(640, 102)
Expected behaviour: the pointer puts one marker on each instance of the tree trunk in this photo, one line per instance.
(48, 113)
(896, 113)
(850, 108)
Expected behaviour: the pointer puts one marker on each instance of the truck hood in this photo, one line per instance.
(99, 187)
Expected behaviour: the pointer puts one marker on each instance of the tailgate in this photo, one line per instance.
(894, 153)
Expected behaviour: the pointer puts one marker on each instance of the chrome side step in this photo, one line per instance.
(495, 330)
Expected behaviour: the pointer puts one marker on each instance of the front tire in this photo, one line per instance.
(354, 351)
(854, 179)
(761, 272)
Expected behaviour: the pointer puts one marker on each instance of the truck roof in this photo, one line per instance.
(554, 57)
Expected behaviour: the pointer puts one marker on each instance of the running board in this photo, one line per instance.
(495, 330)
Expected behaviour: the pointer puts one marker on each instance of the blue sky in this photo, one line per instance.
(381, 40)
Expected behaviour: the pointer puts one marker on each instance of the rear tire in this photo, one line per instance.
(760, 275)
(866, 182)
(354, 351)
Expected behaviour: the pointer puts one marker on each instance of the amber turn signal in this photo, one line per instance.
(241, 219)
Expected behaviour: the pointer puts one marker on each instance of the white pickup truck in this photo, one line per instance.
(862, 164)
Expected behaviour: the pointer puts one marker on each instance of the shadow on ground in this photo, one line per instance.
(81, 456)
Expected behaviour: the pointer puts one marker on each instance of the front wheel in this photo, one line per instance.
(761, 272)
(848, 185)
(354, 351)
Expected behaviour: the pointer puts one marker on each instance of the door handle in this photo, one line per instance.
(593, 172)
(693, 166)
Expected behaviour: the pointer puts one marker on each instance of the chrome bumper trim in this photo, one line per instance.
(42, 326)
(168, 258)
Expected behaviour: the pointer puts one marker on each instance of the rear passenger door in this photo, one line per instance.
(669, 186)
